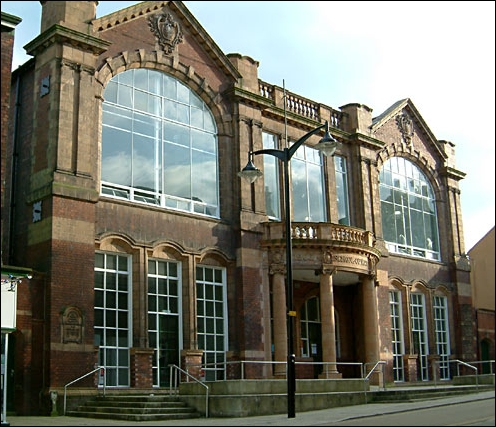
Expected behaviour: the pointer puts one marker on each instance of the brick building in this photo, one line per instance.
(179, 261)
(483, 286)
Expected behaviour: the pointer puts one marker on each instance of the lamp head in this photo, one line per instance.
(250, 173)
(328, 144)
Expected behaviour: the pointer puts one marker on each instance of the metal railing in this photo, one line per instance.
(437, 363)
(174, 371)
(328, 369)
(367, 377)
(80, 378)
(487, 365)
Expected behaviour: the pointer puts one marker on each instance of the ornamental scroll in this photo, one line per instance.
(167, 31)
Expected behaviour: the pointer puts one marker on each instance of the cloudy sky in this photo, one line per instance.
(439, 54)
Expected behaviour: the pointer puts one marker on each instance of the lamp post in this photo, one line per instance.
(9, 313)
(327, 146)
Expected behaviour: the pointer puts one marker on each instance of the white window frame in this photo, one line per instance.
(113, 354)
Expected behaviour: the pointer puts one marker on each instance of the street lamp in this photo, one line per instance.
(327, 146)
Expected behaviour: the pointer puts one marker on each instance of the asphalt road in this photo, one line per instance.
(476, 413)
(474, 409)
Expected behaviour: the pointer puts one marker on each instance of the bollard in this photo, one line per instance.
(53, 397)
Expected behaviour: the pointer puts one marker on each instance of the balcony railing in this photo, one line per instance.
(336, 233)
(301, 106)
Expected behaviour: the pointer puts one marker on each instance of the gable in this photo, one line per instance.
(168, 28)
(402, 129)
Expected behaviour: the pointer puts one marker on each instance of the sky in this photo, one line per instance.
(439, 54)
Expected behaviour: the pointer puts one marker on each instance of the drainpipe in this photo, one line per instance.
(14, 165)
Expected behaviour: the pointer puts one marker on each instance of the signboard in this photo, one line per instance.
(9, 306)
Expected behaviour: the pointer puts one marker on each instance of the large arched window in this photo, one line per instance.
(408, 207)
(159, 143)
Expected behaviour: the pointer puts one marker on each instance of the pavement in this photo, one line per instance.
(301, 419)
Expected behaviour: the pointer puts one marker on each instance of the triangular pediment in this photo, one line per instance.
(408, 121)
(185, 20)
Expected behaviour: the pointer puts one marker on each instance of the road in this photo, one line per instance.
(476, 413)
(473, 409)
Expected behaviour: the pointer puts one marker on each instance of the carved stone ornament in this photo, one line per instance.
(167, 31)
(405, 125)
(72, 326)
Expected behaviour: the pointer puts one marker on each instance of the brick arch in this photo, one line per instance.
(168, 250)
(396, 283)
(214, 257)
(442, 291)
(116, 242)
(420, 286)
(156, 60)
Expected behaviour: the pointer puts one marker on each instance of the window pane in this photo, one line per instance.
(414, 230)
(205, 171)
(116, 156)
(307, 179)
(177, 167)
(271, 177)
(146, 116)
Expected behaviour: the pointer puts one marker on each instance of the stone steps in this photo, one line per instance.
(251, 397)
(135, 408)
(417, 394)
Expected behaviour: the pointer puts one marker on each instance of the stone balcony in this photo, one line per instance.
(346, 250)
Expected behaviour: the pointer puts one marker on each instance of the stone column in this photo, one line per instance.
(279, 322)
(370, 324)
(328, 325)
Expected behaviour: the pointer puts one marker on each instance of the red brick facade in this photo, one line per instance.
(60, 140)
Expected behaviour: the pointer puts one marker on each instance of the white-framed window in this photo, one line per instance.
(164, 317)
(211, 308)
(440, 306)
(311, 333)
(397, 341)
(271, 177)
(113, 316)
(307, 177)
(159, 144)
(408, 209)
(311, 337)
(343, 201)
(419, 334)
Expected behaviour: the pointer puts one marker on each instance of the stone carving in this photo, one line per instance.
(405, 124)
(72, 326)
(327, 257)
(167, 31)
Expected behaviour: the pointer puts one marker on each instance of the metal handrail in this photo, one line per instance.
(366, 378)
(460, 362)
(177, 368)
(242, 363)
(80, 378)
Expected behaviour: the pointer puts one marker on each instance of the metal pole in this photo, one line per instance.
(5, 376)
(291, 367)
(250, 172)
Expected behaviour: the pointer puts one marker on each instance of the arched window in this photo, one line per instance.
(159, 143)
(408, 207)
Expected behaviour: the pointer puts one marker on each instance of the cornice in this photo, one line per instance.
(60, 34)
